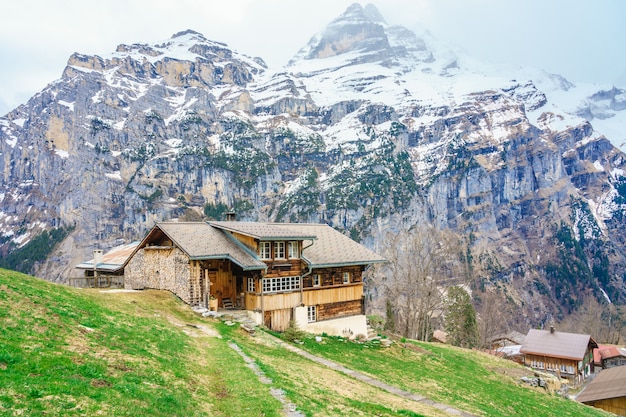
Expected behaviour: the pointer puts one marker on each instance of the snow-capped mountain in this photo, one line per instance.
(370, 128)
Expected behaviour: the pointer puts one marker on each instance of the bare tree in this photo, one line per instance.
(494, 313)
(604, 321)
(422, 262)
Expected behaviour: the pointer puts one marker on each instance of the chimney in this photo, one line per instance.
(551, 329)
(231, 216)
(97, 257)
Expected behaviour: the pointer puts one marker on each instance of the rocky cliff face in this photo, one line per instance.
(369, 128)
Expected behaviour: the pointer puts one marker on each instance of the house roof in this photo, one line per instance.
(557, 344)
(513, 336)
(201, 241)
(331, 247)
(610, 383)
(113, 260)
(323, 245)
(263, 231)
(608, 352)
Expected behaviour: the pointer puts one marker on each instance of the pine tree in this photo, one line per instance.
(460, 320)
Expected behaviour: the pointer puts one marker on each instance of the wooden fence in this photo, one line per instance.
(101, 281)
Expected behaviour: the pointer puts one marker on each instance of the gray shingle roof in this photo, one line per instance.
(263, 231)
(610, 383)
(332, 248)
(201, 241)
(558, 344)
(323, 245)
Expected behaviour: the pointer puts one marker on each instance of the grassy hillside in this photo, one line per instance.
(66, 351)
(72, 352)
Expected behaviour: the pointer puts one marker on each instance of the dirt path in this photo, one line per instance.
(371, 381)
(289, 409)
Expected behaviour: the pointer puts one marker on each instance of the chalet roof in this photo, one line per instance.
(557, 344)
(201, 241)
(323, 245)
(331, 247)
(608, 352)
(263, 231)
(113, 260)
(610, 383)
(513, 336)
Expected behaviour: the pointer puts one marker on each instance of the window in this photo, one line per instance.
(281, 284)
(292, 250)
(250, 284)
(265, 250)
(279, 250)
(346, 277)
(316, 280)
(311, 314)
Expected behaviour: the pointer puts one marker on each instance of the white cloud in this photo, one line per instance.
(576, 38)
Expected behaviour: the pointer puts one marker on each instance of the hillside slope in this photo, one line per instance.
(69, 352)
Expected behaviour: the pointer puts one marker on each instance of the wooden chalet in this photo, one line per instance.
(567, 355)
(277, 272)
(610, 356)
(607, 391)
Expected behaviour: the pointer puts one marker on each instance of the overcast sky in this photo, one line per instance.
(583, 40)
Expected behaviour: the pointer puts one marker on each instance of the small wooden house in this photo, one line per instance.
(567, 355)
(607, 391)
(277, 272)
(611, 356)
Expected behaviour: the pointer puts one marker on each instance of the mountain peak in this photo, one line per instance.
(361, 35)
(358, 29)
(356, 12)
(371, 13)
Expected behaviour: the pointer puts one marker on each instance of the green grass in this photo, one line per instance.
(74, 352)
(319, 391)
(465, 379)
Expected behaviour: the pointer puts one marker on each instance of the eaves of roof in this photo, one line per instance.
(332, 265)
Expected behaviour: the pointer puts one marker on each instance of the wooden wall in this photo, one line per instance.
(273, 301)
(553, 365)
(340, 293)
(336, 310)
(278, 320)
(612, 405)
(284, 268)
(333, 276)
(310, 297)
